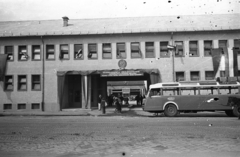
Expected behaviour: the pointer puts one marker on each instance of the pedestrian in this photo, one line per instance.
(141, 99)
(137, 99)
(99, 102)
(118, 105)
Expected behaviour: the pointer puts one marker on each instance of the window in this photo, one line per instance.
(7, 106)
(121, 51)
(92, 51)
(78, 51)
(50, 52)
(209, 75)
(36, 52)
(170, 91)
(208, 90)
(207, 47)
(163, 49)
(180, 76)
(194, 75)
(22, 53)
(9, 51)
(135, 50)
(149, 46)
(22, 83)
(179, 49)
(107, 51)
(193, 48)
(237, 45)
(21, 106)
(35, 106)
(222, 44)
(64, 52)
(36, 83)
(189, 91)
(8, 83)
(222, 73)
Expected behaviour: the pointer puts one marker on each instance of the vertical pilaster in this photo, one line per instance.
(128, 50)
(114, 50)
(99, 51)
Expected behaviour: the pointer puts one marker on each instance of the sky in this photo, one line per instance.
(19, 10)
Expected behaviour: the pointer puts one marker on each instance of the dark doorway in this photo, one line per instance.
(74, 91)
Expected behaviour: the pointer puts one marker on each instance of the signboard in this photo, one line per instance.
(121, 73)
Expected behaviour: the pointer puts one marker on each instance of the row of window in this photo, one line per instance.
(194, 91)
(120, 50)
(195, 75)
(21, 106)
(22, 83)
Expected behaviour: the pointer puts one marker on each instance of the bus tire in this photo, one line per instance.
(236, 110)
(229, 113)
(170, 110)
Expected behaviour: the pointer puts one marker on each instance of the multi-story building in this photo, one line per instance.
(56, 64)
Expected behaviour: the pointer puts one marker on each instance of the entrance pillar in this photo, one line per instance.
(86, 91)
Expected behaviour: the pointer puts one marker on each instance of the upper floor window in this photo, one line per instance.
(8, 83)
(222, 73)
(209, 75)
(180, 76)
(78, 51)
(36, 83)
(64, 52)
(193, 48)
(22, 53)
(195, 76)
(9, 51)
(207, 47)
(121, 51)
(164, 49)
(135, 50)
(179, 49)
(149, 46)
(237, 45)
(222, 44)
(50, 52)
(36, 52)
(92, 51)
(22, 82)
(107, 51)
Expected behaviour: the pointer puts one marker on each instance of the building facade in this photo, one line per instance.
(59, 64)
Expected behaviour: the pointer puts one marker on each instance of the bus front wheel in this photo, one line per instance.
(236, 110)
(170, 110)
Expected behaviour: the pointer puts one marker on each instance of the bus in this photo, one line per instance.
(172, 98)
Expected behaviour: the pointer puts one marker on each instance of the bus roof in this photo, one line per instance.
(194, 84)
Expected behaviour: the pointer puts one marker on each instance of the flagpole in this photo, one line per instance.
(173, 59)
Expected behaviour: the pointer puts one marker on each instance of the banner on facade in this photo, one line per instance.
(3, 61)
(118, 73)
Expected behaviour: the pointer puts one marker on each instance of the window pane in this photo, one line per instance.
(179, 49)
(164, 50)
(149, 50)
(121, 50)
(209, 75)
(92, 51)
(180, 76)
(9, 51)
(193, 48)
(78, 51)
(50, 51)
(22, 53)
(36, 51)
(195, 76)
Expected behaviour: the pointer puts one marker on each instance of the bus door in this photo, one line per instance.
(189, 98)
(211, 99)
(153, 100)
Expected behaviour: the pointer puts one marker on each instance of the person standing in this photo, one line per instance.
(99, 102)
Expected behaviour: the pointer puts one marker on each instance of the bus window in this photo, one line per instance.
(224, 90)
(155, 92)
(208, 91)
(188, 91)
(170, 91)
(234, 90)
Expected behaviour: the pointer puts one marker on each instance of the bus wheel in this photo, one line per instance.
(170, 110)
(229, 113)
(236, 110)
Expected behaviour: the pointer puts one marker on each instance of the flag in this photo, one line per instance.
(3, 62)
(79, 54)
(216, 58)
(225, 50)
(89, 55)
(24, 54)
(236, 51)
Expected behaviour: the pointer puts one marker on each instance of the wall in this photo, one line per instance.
(164, 65)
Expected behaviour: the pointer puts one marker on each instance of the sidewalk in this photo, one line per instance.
(110, 111)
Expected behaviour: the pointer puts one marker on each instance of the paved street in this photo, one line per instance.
(73, 136)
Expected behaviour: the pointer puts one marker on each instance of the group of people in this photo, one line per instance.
(118, 101)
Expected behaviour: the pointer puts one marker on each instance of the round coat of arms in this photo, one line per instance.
(122, 64)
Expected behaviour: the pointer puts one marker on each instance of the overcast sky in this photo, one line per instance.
(16, 10)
